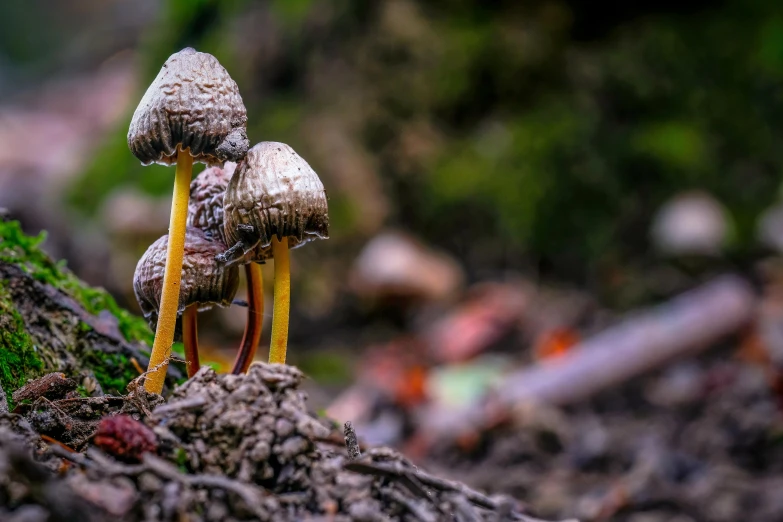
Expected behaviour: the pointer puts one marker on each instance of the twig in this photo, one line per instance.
(67, 454)
(136, 365)
(185, 404)
(141, 378)
(351, 441)
(465, 511)
(440, 484)
(395, 472)
(50, 440)
(62, 417)
(250, 494)
(111, 466)
(413, 479)
(416, 509)
(687, 324)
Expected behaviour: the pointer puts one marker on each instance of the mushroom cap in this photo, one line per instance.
(205, 206)
(690, 223)
(204, 281)
(279, 194)
(192, 103)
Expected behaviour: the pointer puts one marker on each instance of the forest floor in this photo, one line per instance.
(222, 448)
(670, 414)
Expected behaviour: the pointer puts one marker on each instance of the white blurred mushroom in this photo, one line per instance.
(130, 212)
(395, 265)
(690, 223)
(769, 229)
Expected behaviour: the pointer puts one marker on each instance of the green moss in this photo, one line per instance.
(181, 458)
(18, 357)
(23, 250)
(113, 371)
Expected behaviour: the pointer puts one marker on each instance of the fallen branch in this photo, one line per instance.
(685, 325)
(688, 323)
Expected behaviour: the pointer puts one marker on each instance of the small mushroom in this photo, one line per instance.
(690, 223)
(205, 211)
(274, 201)
(192, 111)
(205, 283)
(205, 207)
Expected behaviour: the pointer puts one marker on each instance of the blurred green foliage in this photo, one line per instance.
(20, 358)
(493, 131)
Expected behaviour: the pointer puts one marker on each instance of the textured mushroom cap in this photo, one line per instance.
(205, 206)
(277, 192)
(204, 281)
(193, 102)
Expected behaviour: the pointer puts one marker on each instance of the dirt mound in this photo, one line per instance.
(225, 448)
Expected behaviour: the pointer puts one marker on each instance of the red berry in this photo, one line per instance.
(125, 438)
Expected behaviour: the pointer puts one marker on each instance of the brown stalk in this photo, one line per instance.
(255, 318)
(190, 338)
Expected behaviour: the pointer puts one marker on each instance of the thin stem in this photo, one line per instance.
(255, 318)
(282, 305)
(190, 338)
(167, 317)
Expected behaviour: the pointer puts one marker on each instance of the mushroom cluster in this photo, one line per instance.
(251, 205)
(274, 201)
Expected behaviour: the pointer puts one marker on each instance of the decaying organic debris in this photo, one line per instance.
(230, 448)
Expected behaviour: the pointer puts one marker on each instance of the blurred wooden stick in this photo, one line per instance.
(643, 342)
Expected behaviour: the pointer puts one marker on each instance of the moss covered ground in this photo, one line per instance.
(18, 248)
(20, 359)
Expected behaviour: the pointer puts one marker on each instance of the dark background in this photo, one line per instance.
(535, 140)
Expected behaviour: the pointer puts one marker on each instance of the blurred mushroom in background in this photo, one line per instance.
(394, 266)
(133, 214)
(691, 223)
(769, 228)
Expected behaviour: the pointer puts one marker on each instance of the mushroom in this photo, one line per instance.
(192, 111)
(205, 206)
(274, 201)
(205, 211)
(205, 283)
(691, 223)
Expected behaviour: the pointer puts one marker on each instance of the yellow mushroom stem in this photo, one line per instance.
(190, 338)
(282, 304)
(172, 276)
(255, 318)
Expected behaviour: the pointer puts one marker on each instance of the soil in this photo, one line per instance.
(223, 448)
(45, 328)
(700, 441)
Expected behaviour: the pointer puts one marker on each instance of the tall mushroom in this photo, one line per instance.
(274, 201)
(205, 283)
(205, 211)
(192, 111)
